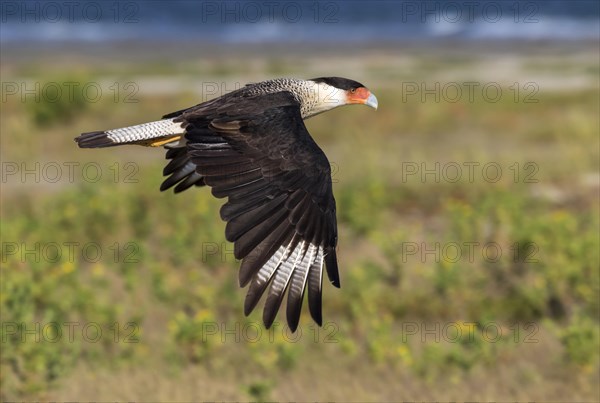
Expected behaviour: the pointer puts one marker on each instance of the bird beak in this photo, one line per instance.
(372, 101)
(363, 96)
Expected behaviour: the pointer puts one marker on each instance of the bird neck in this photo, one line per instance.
(314, 98)
(320, 97)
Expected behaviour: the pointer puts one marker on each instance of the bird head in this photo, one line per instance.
(332, 92)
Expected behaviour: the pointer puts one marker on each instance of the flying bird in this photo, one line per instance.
(251, 146)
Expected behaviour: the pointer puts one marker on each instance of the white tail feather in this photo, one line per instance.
(145, 131)
(133, 134)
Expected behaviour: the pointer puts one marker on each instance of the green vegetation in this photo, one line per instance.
(482, 287)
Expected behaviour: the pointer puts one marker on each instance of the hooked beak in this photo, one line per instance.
(363, 96)
(372, 101)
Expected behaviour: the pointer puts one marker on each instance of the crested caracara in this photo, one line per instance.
(252, 147)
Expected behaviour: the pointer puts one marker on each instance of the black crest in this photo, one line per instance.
(338, 82)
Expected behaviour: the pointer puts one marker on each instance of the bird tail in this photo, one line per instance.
(153, 134)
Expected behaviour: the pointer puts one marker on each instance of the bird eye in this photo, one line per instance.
(352, 90)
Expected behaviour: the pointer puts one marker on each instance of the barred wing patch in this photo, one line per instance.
(280, 209)
(287, 269)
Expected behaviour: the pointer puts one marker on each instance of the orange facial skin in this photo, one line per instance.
(358, 95)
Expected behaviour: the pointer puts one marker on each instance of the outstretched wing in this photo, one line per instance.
(280, 210)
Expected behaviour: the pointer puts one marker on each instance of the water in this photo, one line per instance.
(297, 21)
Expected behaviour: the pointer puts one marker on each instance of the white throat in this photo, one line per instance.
(321, 98)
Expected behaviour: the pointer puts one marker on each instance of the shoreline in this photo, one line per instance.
(28, 50)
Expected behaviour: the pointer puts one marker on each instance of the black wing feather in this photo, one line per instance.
(244, 223)
(181, 171)
(256, 151)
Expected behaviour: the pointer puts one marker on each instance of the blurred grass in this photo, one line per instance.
(174, 276)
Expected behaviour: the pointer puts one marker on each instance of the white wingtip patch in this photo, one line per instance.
(288, 268)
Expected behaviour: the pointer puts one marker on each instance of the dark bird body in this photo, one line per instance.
(251, 146)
